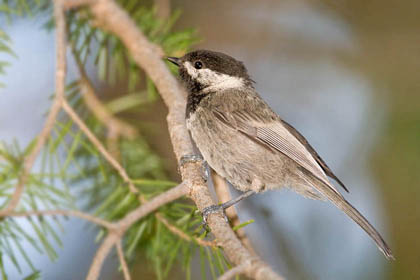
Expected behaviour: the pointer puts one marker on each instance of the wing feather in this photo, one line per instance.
(308, 146)
(276, 136)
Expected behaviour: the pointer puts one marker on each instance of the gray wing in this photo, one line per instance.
(315, 155)
(274, 135)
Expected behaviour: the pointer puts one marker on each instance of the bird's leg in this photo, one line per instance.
(221, 207)
(195, 158)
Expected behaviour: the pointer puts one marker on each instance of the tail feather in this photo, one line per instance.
(340, 202)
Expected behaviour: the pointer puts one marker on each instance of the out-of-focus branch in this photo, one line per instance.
(122, 261)
(144, 209)
(116, 127)
(233, 272)
(111, 17)
(103, 114)
(89, 134)
(222, 191)
(95, 268)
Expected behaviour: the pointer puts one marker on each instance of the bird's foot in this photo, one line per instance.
(196, 158)
(221, 207)
(213, 209)
(190, 158)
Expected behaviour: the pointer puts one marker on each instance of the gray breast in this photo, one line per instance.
(232, 155)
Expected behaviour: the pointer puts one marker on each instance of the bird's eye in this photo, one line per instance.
(198, 65)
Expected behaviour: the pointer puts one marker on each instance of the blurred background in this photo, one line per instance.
(345, 73)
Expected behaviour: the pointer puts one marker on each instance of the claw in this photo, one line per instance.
(205, 171)
(221, 207)
(213, 209)
(190, 158)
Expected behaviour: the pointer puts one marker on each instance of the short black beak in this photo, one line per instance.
(174, 60)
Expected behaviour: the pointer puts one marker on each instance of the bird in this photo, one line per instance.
(242, 139)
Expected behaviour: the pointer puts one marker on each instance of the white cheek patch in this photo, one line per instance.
(223, 82)
(191, 70)
(212, 80)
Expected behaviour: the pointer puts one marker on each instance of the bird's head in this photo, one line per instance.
(207, 71)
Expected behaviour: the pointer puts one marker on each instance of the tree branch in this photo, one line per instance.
(112, 18)
(116, 230)
(60, 75)
(124, 224)
(116, 127)
(101, 112)
(95, 268)
(122, 261)
(153, 204)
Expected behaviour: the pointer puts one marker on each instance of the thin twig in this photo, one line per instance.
(112, 144)
(131, 218)
(175, 230)
(124, 266)
(95, 268)
(222, 191)
(153, 204)
(102, 113)
(73, 213)
(83, 127)
(223, 194)
(233, 272)
(117, 230)
(60, 75)
(178, 231)
(30, 160)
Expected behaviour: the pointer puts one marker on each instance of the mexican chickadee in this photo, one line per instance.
(245, 142)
